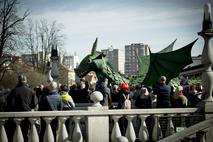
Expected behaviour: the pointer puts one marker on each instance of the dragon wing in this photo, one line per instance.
(169, 64)
(145, 60)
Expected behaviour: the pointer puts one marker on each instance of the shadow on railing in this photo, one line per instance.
(199, 131)
(98, 124)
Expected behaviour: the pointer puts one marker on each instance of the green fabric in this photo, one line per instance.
(145, 60)
(168, 64)
(169, 48)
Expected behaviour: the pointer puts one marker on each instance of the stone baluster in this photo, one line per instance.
(33, 137)
(157, 132)
(143, 132)
(77, 134)
(48, 135)
(116, 132)
(63, 135)
(201, 136)
(183, 120)
(3, 135)
(130, 132)
(170, 127)
(18, 137)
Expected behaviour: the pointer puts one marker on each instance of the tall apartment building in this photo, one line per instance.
(131, 59)
(115, 58)
(71, 61)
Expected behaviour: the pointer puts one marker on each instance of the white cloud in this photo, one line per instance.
(121, 26)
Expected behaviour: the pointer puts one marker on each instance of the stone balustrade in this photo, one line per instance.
(101, 124)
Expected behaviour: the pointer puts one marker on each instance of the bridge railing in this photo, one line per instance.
(100, 124)
(200, 130)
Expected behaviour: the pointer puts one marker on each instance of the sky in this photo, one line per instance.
(118, 23)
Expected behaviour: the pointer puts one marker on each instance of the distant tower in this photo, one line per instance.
(54, 71)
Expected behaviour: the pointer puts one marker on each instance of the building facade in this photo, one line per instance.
(115, 58)
(71, 61)
(132, 53)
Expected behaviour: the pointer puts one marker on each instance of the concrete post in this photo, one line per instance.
(98, 126)
(207, 61)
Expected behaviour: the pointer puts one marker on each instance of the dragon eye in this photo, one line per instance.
(89, 60)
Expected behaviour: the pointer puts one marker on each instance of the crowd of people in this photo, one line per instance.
(54, 97)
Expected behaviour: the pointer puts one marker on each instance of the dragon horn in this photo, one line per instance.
(94, 46)
(149, 50)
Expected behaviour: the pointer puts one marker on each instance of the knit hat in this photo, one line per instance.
(124, 86)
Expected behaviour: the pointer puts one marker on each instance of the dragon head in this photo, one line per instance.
(92, 62)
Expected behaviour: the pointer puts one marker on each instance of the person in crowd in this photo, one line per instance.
(114, 93)
(143, 99)
(67, 100)
(185, 84)
(123, 95)
(39, 90)
(163, 91)
(3, 101)
(114, 96)
(68, 103)
(73, 92)
(193, 96)
(104, 89)
(22, 98)
(50, 101)
(91, 88)
(82, 94)
(199, 88)
(178, 99)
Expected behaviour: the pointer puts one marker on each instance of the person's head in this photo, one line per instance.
(53, 85)
(162, 79)
(115, 88)
(180, 88)
(104, 82)
(125, 87)
(82, 85)
(64, 88)
(22, 79)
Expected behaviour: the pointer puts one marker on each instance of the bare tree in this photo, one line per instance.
(40, 37)
(10, 25)
(31, 41)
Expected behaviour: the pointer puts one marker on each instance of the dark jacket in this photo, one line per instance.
(163, 92)
(22, 98)
(122, 95)
(105, 92)
(51, 101)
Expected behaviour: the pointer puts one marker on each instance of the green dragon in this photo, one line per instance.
(167, 62)
(97, 62)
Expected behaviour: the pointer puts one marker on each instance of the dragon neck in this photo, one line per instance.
(112, 75)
